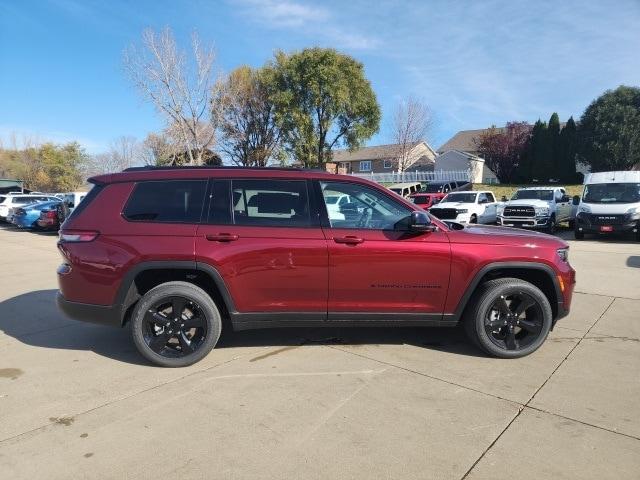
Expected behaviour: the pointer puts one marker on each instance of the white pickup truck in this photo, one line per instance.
(467, 207)
(537, 207)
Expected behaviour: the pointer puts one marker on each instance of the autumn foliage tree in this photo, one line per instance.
(503, 148)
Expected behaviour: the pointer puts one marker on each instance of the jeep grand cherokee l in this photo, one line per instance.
(174, 251)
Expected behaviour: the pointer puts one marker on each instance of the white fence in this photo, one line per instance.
(402, 177)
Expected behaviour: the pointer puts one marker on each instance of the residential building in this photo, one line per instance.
(455, 160)
(384, 159)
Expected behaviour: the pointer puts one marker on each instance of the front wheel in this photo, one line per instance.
(551, 228)
(473, 219)
(508, 318)
(175, 324)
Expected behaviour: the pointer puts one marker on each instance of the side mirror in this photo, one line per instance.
(504, 198)
(565, 198)
(420, 222)
(576, 199)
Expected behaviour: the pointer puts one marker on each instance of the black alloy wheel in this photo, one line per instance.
(508, 317)
(174, 327)
(514, 321)
(175, 324)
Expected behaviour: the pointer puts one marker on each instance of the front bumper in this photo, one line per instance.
(524, 222)
(85, 312)
(619, 224)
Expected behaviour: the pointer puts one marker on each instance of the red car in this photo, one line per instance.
(173, 251)
(426, 200)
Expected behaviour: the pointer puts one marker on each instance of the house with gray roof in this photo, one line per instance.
(384, 158)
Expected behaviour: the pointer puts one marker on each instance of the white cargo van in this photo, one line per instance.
(610, 203)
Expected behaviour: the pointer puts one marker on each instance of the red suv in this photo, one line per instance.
(174, 251)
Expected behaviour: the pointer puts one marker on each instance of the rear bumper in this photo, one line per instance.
(85, 312)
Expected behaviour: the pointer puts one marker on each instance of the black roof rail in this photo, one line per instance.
(219, 167)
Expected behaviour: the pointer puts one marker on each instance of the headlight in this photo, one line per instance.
(584, 209)
(563, 253)
(542, 211)
(500, 209)
(633, 210)
(462, 210)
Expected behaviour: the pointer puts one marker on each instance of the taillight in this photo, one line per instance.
(50, 214)
(78, 235)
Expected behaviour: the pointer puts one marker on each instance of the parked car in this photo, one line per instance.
(467, 207)
(72, 199)
(14, 201)
(211, 256)
(424, 200)
(610, 203)
(536, 207)
(406, 189)
(28, 216)
(335, 203)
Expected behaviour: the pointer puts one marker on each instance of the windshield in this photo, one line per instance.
(421, 200)
(396, 190)
(460, 197)
(433, 188)
(533, 195)
(612, 193)
(331, 200)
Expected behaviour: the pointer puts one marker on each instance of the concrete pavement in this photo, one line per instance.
(77, 401)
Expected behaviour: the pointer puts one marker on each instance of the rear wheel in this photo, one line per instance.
(175, 324)
(473, 219)
(508, 318)
(577, 234)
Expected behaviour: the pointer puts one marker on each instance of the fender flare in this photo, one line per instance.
(475, 281)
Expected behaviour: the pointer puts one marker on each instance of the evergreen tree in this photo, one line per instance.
(538, 152)
(568, 150)
(553, 138)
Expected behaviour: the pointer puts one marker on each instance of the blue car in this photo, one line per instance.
(27, 215)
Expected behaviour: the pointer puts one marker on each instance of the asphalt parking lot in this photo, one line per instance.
(77, 401)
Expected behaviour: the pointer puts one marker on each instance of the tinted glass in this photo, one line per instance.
(612, 193)
(277, 203)
(545, 195)
(460, 197)
(368, 208)
(220, 203)
(422, 200)
(178, 201)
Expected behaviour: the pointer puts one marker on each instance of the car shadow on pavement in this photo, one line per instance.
(633, 261)
(33, 319)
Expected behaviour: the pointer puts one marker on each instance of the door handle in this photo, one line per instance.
(349, 239)
(222, 237)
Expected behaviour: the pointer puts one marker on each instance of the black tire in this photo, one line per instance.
(551, 228)
(577, 234)
(484, 324)
(572, 224)
(163, 347)
(473, 219)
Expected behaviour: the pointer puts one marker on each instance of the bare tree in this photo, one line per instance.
(250, 135)
(412, 121)
(179, 85)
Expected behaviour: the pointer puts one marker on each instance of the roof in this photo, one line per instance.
(196, 172)
(378, 152)
(463, 141)
(470, 156)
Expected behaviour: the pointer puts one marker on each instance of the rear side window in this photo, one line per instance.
(172, 201)
(277, 203)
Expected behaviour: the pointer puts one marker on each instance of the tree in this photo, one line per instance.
(609, 130)
(412, 121)
(249, 132)
(123, 152)
(322, 101)
(158, 149)
(502, 148)
(567, 152)
(553, 139)
(181, 90)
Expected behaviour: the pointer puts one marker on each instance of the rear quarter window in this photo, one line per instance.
(167, 201)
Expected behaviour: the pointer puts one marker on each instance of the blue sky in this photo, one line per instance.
(476, 63)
